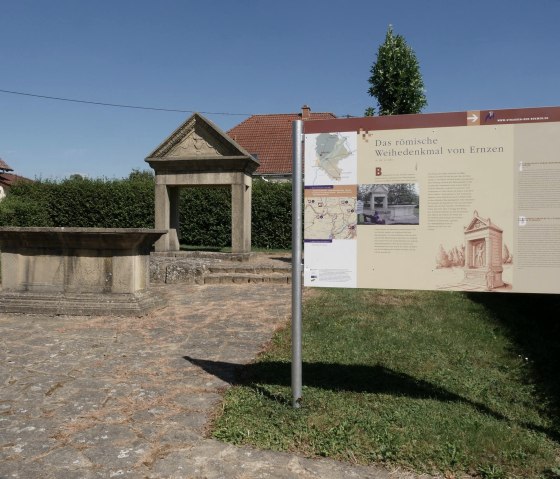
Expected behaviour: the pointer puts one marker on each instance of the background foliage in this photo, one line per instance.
(81, 202)
(398, 194)
(129, 203)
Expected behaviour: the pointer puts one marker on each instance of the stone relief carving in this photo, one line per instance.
(205, 141)
(480, 252)
(193, 145)
(477, 224)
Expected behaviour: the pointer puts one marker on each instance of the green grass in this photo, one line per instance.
(431, 381)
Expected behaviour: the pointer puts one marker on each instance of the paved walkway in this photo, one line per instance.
(115, 397)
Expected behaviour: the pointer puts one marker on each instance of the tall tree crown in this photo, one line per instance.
(395, 78)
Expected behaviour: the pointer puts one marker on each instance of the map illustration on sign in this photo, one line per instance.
(330, 159)
(330, 212)
(330, 218)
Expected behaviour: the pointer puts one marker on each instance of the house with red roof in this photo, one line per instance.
(269, 139)
(7, 179)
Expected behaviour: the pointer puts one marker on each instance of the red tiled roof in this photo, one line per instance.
(270, 138)
(5, 166)
(8, 179)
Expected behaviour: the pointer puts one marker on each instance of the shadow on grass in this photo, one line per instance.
(532, 322)
(342, 377)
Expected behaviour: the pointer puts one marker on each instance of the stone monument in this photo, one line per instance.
(199, 154)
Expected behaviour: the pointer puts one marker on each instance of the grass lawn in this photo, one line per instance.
(438, 382)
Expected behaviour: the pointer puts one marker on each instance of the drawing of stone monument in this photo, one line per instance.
(483, 253)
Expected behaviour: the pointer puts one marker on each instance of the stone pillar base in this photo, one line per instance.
(484, 278)
(80, 304)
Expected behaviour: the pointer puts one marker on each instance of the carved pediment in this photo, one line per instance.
(193, 145)
(197, 138)
(478, 223)
(380, 189)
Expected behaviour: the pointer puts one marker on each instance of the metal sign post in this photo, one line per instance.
(297, 223)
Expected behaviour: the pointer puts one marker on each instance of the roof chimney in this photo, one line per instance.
(305, 112)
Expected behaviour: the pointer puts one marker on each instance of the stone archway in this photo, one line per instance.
(199, 154)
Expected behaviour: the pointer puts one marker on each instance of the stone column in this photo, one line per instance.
(469, 255)
(167, 217)
(174, 198)
(241, 215)
(162, 216)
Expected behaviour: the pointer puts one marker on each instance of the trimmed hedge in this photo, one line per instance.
(205, 216)
(79, 202)
(272, 215)
(129, 203)
(23, 211)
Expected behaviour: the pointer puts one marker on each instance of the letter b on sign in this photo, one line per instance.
(378, 171)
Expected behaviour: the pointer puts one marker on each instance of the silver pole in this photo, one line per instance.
(297, 199)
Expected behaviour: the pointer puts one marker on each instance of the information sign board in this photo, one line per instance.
(465, 201)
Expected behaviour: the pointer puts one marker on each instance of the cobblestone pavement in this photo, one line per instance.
(105, 397)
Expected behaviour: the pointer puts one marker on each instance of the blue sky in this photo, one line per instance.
(244, 57)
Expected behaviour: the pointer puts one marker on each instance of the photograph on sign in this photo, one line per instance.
(389, 204)
(460, 205)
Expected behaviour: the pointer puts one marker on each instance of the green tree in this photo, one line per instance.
(395, 78)
(402, 194)
(398, 194)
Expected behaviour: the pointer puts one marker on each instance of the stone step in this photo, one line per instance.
(209, 255)
(179, 267)
(245, 278)
(248, 268)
